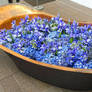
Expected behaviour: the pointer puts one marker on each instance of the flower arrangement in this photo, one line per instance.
(51, 41)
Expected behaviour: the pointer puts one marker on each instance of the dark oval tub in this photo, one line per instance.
(76, 79)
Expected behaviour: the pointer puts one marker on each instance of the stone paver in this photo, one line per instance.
(7, 67)
(9, 85)
(3, 2)
(28, 83)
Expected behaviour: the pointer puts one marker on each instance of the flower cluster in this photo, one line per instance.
(51, 41)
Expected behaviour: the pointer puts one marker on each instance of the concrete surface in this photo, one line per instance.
(12, 79)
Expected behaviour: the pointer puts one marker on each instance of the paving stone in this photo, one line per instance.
(29, 84)
(67, 10)
(57, 89)
(1, 88)
(24, 81)
(66, 90)
(7, 66)
(54, 89)
(3, 2)
(9, 84)
(2, 53)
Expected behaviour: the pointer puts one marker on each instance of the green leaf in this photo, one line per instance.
(11, 37)
(28, 32)
(69, 22)
(60, 34)
(56, 52)
(23, 33)
(79, 42)
(71, 40)
(34, 45)
(81, 38)
(84, 49)
(63, 32)
(45, 51)
(5, 30)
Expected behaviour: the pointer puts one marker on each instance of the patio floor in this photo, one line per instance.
(11, 78)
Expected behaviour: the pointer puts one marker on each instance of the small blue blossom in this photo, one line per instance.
(78, 64)
(51, 41)
(89, 65)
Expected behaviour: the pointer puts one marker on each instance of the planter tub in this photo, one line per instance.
(65, 77)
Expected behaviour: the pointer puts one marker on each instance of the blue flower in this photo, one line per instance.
(78, 64)
(2, 42)
(89, 64)
(51, 41)
(13, 24)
